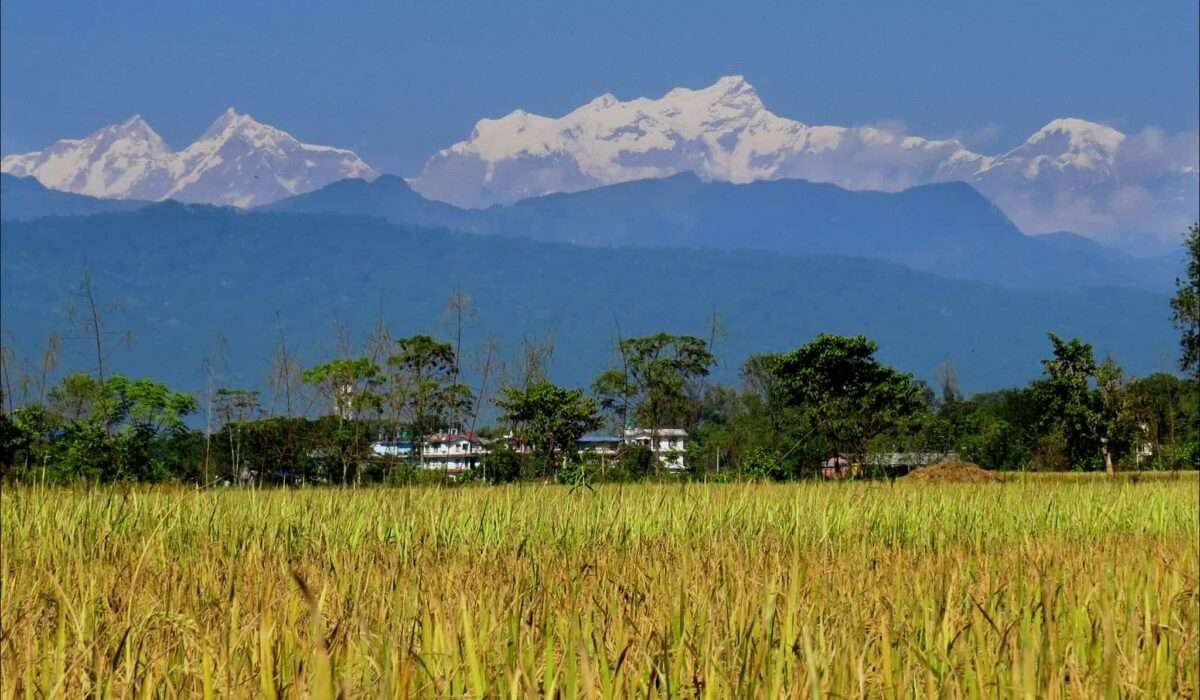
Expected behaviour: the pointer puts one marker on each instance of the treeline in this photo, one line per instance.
(791, 413)
(830, 399)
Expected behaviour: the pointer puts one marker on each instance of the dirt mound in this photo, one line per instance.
(953, 471)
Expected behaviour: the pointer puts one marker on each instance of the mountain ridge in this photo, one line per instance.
(944, 228)
(24, 198)
(1136, 190)
(1070, 174)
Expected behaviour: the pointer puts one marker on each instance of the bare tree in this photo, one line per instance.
(49, 362)
(491, 349)
(535, 359)
(284, 377)
(7, 356)
(716, 330)
(460, 309)
(215, 362)
(947, 380)
(90, 316)
(235, 407)
(624, 376)
(341, 332)
(380, 340)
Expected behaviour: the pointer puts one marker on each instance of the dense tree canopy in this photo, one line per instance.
(845, 395)
(1185, 306)
(1088, 402)
(550, 419)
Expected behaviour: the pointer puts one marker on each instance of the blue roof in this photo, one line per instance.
(599, 438)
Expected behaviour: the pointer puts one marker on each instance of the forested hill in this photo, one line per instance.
(25, 198)
(186, 275)
(948, 229)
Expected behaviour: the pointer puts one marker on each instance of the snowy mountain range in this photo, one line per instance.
(1138, 190)
(1071, 174)
(237, 161)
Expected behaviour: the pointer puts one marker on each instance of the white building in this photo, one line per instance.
(668, 444)
(452, 452)
(459, 452)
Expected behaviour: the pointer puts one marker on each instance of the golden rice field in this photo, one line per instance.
(1024, 589)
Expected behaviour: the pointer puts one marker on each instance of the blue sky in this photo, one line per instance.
(396, 81)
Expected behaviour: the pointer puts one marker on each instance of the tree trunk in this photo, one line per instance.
(1109, 468)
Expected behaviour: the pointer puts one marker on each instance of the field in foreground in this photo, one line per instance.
(1032, 589)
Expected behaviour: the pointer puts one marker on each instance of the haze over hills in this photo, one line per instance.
(947, 229)
(237, 161)
(243, 275)
(1137, 190)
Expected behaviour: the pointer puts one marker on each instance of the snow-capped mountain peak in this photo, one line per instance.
(229, 119)
(1067, 147)
(107, 163)
(722, 131)
(1071, 174)
(137, 126)
(1080, 134)
(234, 125)
(238, 161)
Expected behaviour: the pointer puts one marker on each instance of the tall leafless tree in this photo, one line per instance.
(6, 360)
(460, 309)
(91, 317)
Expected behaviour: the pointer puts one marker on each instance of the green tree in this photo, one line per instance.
(147, 419)
(845, 396)
(1088, 402)
(31, 441)
(658, 374)
(423, 395)
(615, 393)
(762, 383)
(996, 429)
(502, 464)
(117, 428)
(1165, 408)
(1185, 306)
(550, 419)
(349, 387)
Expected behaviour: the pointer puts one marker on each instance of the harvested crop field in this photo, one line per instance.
(843, 590)
(953, 472)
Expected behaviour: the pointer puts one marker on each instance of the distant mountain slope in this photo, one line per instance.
(237, 161)
(24, 198)
(236, 274)
(1071, 174)
(948, 229)
(387, 197)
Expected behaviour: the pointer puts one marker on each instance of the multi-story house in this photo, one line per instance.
(452, 452)
(459, 452)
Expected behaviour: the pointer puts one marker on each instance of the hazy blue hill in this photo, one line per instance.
(388, 197)
(949, 229)
(24, 198)
(239, 275)
(1157, 271)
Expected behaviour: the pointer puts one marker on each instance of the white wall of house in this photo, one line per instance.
(457, 452)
